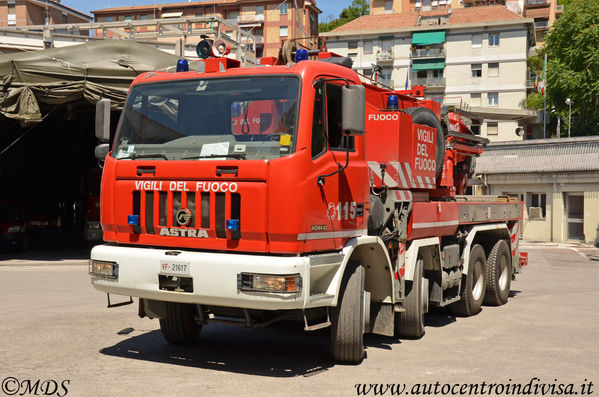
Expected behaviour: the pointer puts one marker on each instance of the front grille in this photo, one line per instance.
(159, 208)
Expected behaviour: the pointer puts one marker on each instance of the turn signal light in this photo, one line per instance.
(269, 283)
(104, 269)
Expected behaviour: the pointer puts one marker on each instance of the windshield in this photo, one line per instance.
(232, 118)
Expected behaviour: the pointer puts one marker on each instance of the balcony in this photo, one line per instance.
(537, 3)
(384, 56)
(540, 25)
(440, 7)
(469, 3)
(257, 40)
(250, 20)
(429, 81)
(428, 53)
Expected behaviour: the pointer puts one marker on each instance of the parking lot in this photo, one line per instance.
(56, 327)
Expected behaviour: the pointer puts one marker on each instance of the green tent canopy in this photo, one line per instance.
(426, 38)
(86, 72)
(426, 64)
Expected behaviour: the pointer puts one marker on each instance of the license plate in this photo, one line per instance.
(174, 268)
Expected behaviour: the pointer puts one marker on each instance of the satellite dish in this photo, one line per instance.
(520, 131)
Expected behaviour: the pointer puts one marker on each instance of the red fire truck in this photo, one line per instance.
(252, 195)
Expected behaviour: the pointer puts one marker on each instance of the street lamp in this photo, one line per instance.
(569, 103)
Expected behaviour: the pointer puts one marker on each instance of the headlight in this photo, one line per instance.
(269, 282)
(103, 269)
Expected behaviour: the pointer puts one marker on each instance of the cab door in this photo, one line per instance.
(339, 197)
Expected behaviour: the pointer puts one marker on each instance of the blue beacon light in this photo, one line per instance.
(392, 102)
(182, 65)
(233, 224)
(301, 55)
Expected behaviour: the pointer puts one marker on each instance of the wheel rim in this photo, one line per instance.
(503, 278)
(478, 281)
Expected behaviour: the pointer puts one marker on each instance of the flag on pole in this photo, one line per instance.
(544, 76)
(407, 74)
(537, 81)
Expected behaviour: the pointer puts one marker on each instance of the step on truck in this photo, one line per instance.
(251, 195)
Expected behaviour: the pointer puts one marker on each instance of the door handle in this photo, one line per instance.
(146, 170)
(227, 170)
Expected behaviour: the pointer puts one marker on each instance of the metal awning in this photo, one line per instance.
(426, 38)
(425, 64)
(250, 24)
(172, 14)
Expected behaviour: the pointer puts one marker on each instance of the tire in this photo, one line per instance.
(499, 274)
(427, 117)
(179, 327)
(347, 320)
(473, 285)
(410, 324)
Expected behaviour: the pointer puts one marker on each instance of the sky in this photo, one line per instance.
(328, 7)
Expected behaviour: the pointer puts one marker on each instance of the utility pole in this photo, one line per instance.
(569, 103)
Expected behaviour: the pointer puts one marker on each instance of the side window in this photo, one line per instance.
(318, 131)
(337, 140)
(327, 121)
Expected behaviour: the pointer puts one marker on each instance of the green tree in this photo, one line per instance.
(355, 10)
(572, 49)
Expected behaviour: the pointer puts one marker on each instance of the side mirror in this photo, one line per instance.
(103, 120)
(353, 109)
(101, 151)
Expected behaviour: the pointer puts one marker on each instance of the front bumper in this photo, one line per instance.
(214, 277)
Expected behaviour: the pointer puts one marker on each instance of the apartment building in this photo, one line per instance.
(270, 21)
(38, 12)
(544, 12)
(471, 57)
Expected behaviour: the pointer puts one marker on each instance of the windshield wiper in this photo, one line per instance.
(147, 156)
(240, 156)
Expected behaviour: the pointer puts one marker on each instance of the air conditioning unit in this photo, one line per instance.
(535, 213)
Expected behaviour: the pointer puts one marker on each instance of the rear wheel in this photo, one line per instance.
(473, 285)
(499, 274)
(180, 327)
(347, 320)
(410, 324)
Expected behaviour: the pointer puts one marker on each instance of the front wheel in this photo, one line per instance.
(473, 285)
(180, 327)
(347, 320)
